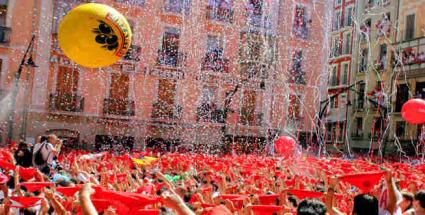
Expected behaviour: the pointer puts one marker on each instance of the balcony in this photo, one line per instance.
(133, 54)
(357, 136)
(251, 119)
(162, 110)
(66, 102)
(119, 107)
(206, 113)
(215, 64)
(5, 34)
(220, 14)
(132, 2)
(410, 56)
(170, 59)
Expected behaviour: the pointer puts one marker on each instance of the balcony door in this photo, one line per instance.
(67, 81)
(170, 47)
(166, 97)
(119, 87)
(249, 102)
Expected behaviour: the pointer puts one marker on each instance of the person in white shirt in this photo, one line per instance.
(47, 148)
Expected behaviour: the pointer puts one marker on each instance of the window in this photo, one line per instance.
(338, 2)
(67, 80)
(378, 127)
(347, 43)
(333, 102)
(301, 21)
(164, 107)
(294, 109)
(336, 51)
(337, 21)
(365, 29)
(249, 103)
(402, 96)
(344, 79)
(65, 98)
(382, 61)
(400, 128)
(363, 62)
(169, 55)
(359, 126)
(334, 76)
(348, 16)
(361, 95)
(3, 12)
(220, 10)
(410, 27)
(296, 71)
(119, 86)
(255, 12)
(207, 106)
(329, 132)
(177, 6)
(384, 25)
(420, 90)
(214, 59)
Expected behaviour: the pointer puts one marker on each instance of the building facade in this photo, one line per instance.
(408, 62)
(376, 31)
(198, 73)
(340, 62)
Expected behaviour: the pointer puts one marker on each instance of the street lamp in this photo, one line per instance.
(15, 85)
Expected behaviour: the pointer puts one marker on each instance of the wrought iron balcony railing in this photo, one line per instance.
(251, 119)
(168, 58)
(216, 65)
(5, 34)
(120, 107)
(66, 102)
(220, 14)
(133, 54)
(162, 110)
(410, 54)
(208, 114)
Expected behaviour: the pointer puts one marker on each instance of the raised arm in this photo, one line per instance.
(87, 206)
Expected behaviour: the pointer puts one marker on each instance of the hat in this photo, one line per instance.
(24, 202)
(36, 186)
(3, 178)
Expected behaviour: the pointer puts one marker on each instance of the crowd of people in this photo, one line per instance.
(44, 179)
(409, 57)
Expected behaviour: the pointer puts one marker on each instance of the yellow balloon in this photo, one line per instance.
(94, 35)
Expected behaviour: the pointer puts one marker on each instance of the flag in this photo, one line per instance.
(363, 181)
(144, 160)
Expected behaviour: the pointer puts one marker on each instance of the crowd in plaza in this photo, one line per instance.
(46, 179)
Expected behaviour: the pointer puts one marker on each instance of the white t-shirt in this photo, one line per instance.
(46, 152)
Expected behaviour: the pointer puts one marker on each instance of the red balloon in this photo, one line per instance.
(285, 146)
(413, 111)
